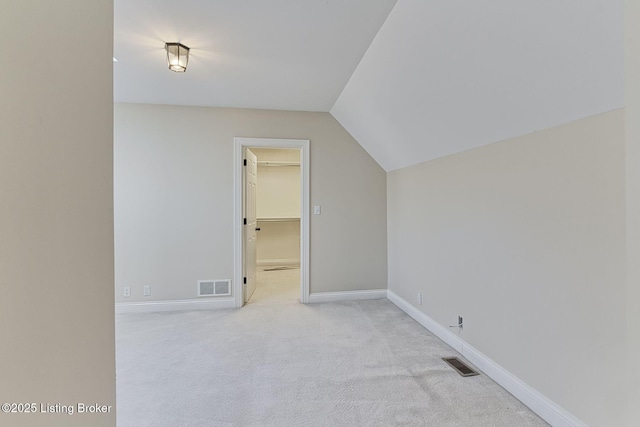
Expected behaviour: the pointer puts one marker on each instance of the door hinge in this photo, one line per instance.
(245, 162)
(245, 221)
(245, 281)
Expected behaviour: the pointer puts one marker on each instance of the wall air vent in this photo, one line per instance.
(211, 288)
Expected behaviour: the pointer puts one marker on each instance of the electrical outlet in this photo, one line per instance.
(317, 210)
(147, 290)
(419, 298)
(126, 292)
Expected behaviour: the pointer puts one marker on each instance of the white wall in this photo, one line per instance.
(56, 209)
(526, 240)
(174, 198)
(278, 188)
(632, 121)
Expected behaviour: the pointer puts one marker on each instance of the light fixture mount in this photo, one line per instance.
(177, 56)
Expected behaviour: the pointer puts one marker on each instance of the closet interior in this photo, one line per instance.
(278, 208)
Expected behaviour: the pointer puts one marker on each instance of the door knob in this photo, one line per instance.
(257, 228)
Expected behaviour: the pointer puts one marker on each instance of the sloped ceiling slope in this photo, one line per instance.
(446, 76)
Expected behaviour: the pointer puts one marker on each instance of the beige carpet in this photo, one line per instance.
(277, 362)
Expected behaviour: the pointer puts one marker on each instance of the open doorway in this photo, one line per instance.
(271, 216)
(277, 239)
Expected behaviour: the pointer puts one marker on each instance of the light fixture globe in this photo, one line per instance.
(177, 56)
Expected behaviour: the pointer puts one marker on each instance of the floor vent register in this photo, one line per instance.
(460, 367)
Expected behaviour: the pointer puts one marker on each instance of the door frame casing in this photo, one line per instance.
(240, 143)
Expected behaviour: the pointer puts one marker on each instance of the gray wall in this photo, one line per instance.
(174, 198)
(56, 210)
(526, 240)
(632, 121)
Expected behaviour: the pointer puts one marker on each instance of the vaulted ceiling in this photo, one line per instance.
(443, 76)
(421, 80)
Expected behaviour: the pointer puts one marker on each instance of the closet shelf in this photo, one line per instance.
(278, 219)
(276, 163)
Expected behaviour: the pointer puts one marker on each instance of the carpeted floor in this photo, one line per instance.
(277, 362)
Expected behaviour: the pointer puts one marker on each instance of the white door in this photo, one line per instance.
(250, 221)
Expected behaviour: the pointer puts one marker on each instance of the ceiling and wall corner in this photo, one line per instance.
(411, 81)
(444, 77)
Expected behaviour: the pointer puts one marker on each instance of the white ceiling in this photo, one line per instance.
(446, 76)
(276, 54)
(439, 77)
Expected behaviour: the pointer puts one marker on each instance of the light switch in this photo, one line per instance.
(316, 210)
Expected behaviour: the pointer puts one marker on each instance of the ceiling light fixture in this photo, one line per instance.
(177, 56)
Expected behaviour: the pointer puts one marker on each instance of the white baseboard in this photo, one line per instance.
(176, 305)
(284, 261)
(347, 296)
(545, 408)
